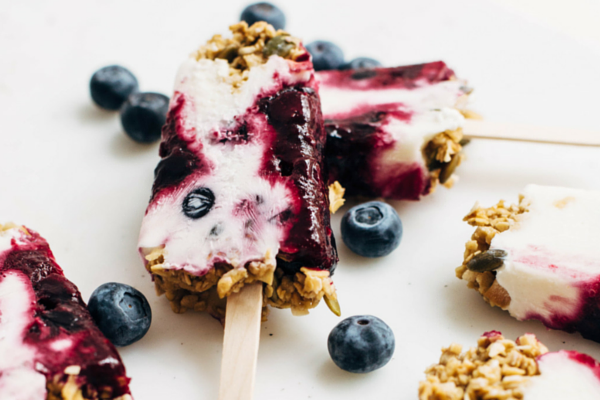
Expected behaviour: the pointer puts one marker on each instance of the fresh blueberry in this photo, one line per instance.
(198, 203)
(121, 312)
(264, 12)
(110, 86)
(372, 229)
(143, 116)
(361, 63)
(325, 55)
(361, 344)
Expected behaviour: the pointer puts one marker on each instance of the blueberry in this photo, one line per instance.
(110, 86)
(121, 312)
(372, 229)
(198, 203)
(361, 344)
(325, 55)
(361, 63)
(143, 116)
(264, 12)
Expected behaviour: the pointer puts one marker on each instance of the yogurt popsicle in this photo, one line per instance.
(393, 132)
(240, 193)
(50, 348)
(539, 259)
(502, 369)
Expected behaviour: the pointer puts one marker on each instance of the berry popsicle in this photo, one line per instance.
(50, 348)
(502, 369)
(240, 193)
(393, 132)
(539, 259)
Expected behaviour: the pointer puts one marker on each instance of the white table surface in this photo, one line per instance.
(69, 172)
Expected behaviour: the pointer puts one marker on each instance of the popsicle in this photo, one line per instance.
(393, 132)
(50, 348)
(539, 259)
(502, 369)
(240, 193)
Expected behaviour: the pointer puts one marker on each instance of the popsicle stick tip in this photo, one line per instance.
(482, 129)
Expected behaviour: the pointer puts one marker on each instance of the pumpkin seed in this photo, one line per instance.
(487, 261)
(229, 53)
(448, 168)
(333, 305)
(278, 46)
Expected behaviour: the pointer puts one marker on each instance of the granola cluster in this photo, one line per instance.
(58, 389)
(300, 292)
(443, 155)
(336, 197)
(249, 47)
(489, 222)
(496, 369)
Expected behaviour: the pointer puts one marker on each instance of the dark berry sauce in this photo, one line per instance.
(296, 156)
(387, 78)
(353, 155)
(177, 160)
(357, 137)
(60, 313)
(288, 124)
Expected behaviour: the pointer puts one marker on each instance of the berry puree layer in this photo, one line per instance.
(393, 132)
(539, 259)
(240, 193)
(51, 349)
(499, 368)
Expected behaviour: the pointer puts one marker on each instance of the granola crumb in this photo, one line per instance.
(249, 47)
(299, 292)
(336, 196)
(438, 154)
(489, 222)
(496, 369)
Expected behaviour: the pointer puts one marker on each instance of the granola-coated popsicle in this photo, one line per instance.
(393, 132)
(50, 348)
(240, 194)
(539, 259)
(502, 369)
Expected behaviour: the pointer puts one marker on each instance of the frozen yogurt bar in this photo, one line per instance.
(240, 193)
(393, 132)
(540, 258)
(499, 368)
(50, 348)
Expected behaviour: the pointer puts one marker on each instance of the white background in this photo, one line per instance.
(69, 172)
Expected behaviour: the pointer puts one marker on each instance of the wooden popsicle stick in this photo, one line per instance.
(481, 129)
(240, 344)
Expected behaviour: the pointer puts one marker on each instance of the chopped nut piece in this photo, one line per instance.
(300, 292)
(442, 156)
(496, 369)
(336, 196)
(73, 370)
(71, 390)
(489, 222)
(249, 46)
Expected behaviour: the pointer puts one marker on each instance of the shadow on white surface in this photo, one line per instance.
(331, 375)
(90, 113)
(124, 147)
